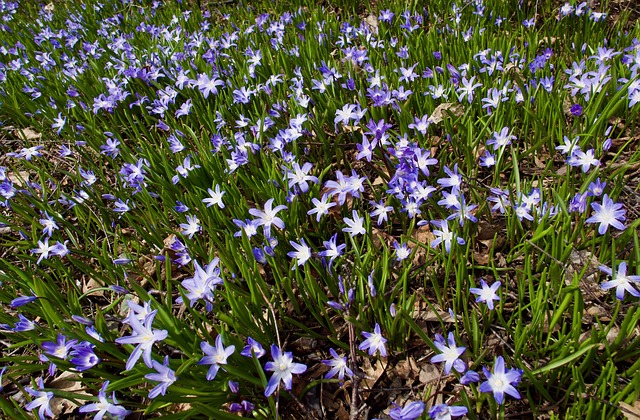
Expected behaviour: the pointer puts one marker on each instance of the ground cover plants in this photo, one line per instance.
(283, 211)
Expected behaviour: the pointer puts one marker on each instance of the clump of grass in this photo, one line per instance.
(213, 213)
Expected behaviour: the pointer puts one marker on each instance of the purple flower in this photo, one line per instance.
(144, 336)
(253, 348)
(215, 356)
(300, 176)
(164, 375)
(621, 281)
(486, 293)
(283, 369)
(268, 217)
(24, 324)
(410, 411)
(443, 235)
(302, 253)
(60, 348)
(105, 406)
(501, 382)
(338, 366)
(447, 412)
(22, 300)
(576, 110)
(607, 213)
(215, 197)
(41, 400)
(374, 342)
(191, 227)
(355, 225)
(449, 354)
(83, 356)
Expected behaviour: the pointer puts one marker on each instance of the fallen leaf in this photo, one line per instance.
(630, 412)
(444, 110)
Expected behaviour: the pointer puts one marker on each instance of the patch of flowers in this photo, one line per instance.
(220, 213)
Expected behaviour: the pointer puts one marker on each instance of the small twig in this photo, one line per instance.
(353, 409)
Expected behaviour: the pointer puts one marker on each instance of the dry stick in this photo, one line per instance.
(353, 409)
(275, 323)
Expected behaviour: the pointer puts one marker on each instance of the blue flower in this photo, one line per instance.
(621, 281)
(215, 356)
(486, 293)
(449, 354)
(410, 411)
(338, 366)
(501, 381)
(283, 369)
(164, 375)
(374, 343)
(41, 400)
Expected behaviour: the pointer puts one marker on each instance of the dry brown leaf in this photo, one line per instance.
(407, 369)
(89, 285)
(429, 373)
(372, 372)
(442, 111)
(27, 134)
(67, 382)
(19, 179)
(630, 412)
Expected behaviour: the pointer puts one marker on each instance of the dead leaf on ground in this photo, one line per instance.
(68, 382)
(372, 372)
(442, 111)
(27, 134)
(630, 412)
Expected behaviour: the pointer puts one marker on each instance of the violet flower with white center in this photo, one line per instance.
(411, 411)
(620, 280)
(249, 227)
(283, 368)
(447, 412)
(454, 180)
(450, 354)
(253, 348)
(300, 176)
(60, 348)
(83, 356)
(215, 197)
(443, 235)
(332, 249)
(338, 366)
(302, 253)
(322, 206)
(374, 343)
(501, 381)
(420, 125)
(607, 214)
(144, 336)
(203, 283)
(49, 225)
(584, 159)
(268, 218)
(191, 227)
(43, 249)
(105, 406)
(215, 356)
(402, 251)
(164, 375)
(486, 293)
(41, 400)
(380, 210)
(355, 225)
(501, 139)
(596, 188)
